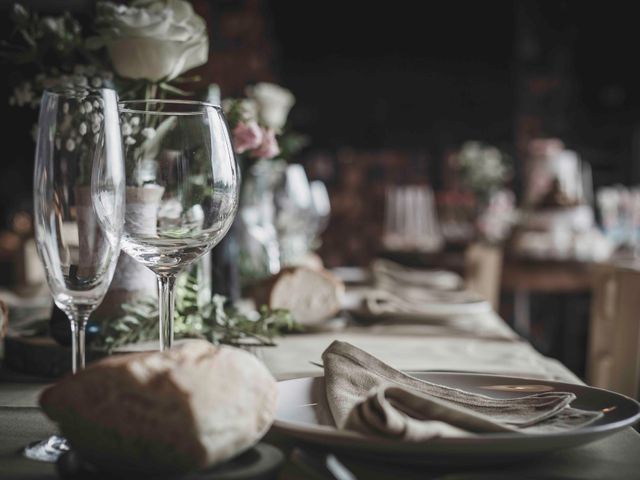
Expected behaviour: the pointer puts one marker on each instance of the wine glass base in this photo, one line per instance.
(47, 450)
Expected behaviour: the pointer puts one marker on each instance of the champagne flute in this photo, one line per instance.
(179, 154)
(78, 210)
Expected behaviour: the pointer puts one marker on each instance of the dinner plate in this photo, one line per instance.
(303, 414)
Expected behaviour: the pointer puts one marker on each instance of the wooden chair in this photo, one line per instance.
(483, 271)
(613, 358)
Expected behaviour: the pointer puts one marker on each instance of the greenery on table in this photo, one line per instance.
(218, 321)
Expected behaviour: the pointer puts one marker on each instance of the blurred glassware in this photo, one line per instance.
(411, 221)
(322, 210)
(294, 215)
(556, 176)
(619, 209)
(260, 250)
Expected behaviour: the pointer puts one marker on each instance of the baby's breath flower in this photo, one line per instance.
(148, 132)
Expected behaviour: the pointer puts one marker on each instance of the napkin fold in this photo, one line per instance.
(384, 303)
(368, 396)
(389, 272)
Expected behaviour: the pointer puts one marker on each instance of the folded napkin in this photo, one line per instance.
(388, 271)
(368, 396)
(379, 302)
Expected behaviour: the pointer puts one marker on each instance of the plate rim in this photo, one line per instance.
(589, 430)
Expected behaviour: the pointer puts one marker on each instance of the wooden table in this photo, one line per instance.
(524, 276)
(482, 343)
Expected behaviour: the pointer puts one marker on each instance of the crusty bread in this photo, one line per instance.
(174, 411)
(310, 294)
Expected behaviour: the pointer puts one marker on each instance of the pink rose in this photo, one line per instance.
(247, 136)
(269, 147)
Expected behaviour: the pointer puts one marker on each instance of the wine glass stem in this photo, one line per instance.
(78, 323)
(166, 284)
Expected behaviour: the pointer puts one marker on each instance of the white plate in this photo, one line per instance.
(302, 413)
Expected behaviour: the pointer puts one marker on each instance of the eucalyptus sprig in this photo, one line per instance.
(219, 321)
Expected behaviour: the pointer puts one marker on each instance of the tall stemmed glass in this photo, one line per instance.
(78, 210)
(182, 172)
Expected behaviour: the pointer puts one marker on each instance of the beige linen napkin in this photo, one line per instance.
(368, 396)
(384, 303)
(388, 272)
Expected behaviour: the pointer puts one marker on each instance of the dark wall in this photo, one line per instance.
(417, 75)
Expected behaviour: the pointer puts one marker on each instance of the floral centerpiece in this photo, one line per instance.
(142, 49)
(259, 124)
(265, 146)
(485, 170)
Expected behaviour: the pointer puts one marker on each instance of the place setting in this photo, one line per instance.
(217, 264)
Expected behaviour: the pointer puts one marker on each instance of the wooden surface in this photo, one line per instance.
(543, 276)
(613, 359)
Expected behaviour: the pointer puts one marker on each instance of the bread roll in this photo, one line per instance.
(310, 295)
(174, 411)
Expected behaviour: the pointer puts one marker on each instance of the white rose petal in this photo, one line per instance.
(70, 145)
(129, 141)
(126, 129)
(153, 40)
(274, 103)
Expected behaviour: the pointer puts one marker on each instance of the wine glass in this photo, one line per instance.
(261, 250)
(78, 210)
(180, 166)
(321, 207)
(294, 212)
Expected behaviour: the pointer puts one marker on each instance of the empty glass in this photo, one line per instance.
(294, 214)
(321, 205)
(411, 221)
(179, 160)
(78, 210)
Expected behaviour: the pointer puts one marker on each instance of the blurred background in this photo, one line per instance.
(395, 94)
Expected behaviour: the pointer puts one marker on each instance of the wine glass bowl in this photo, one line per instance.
(180, 152)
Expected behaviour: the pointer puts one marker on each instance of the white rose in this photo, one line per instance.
(153, 39)
(274, 104)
